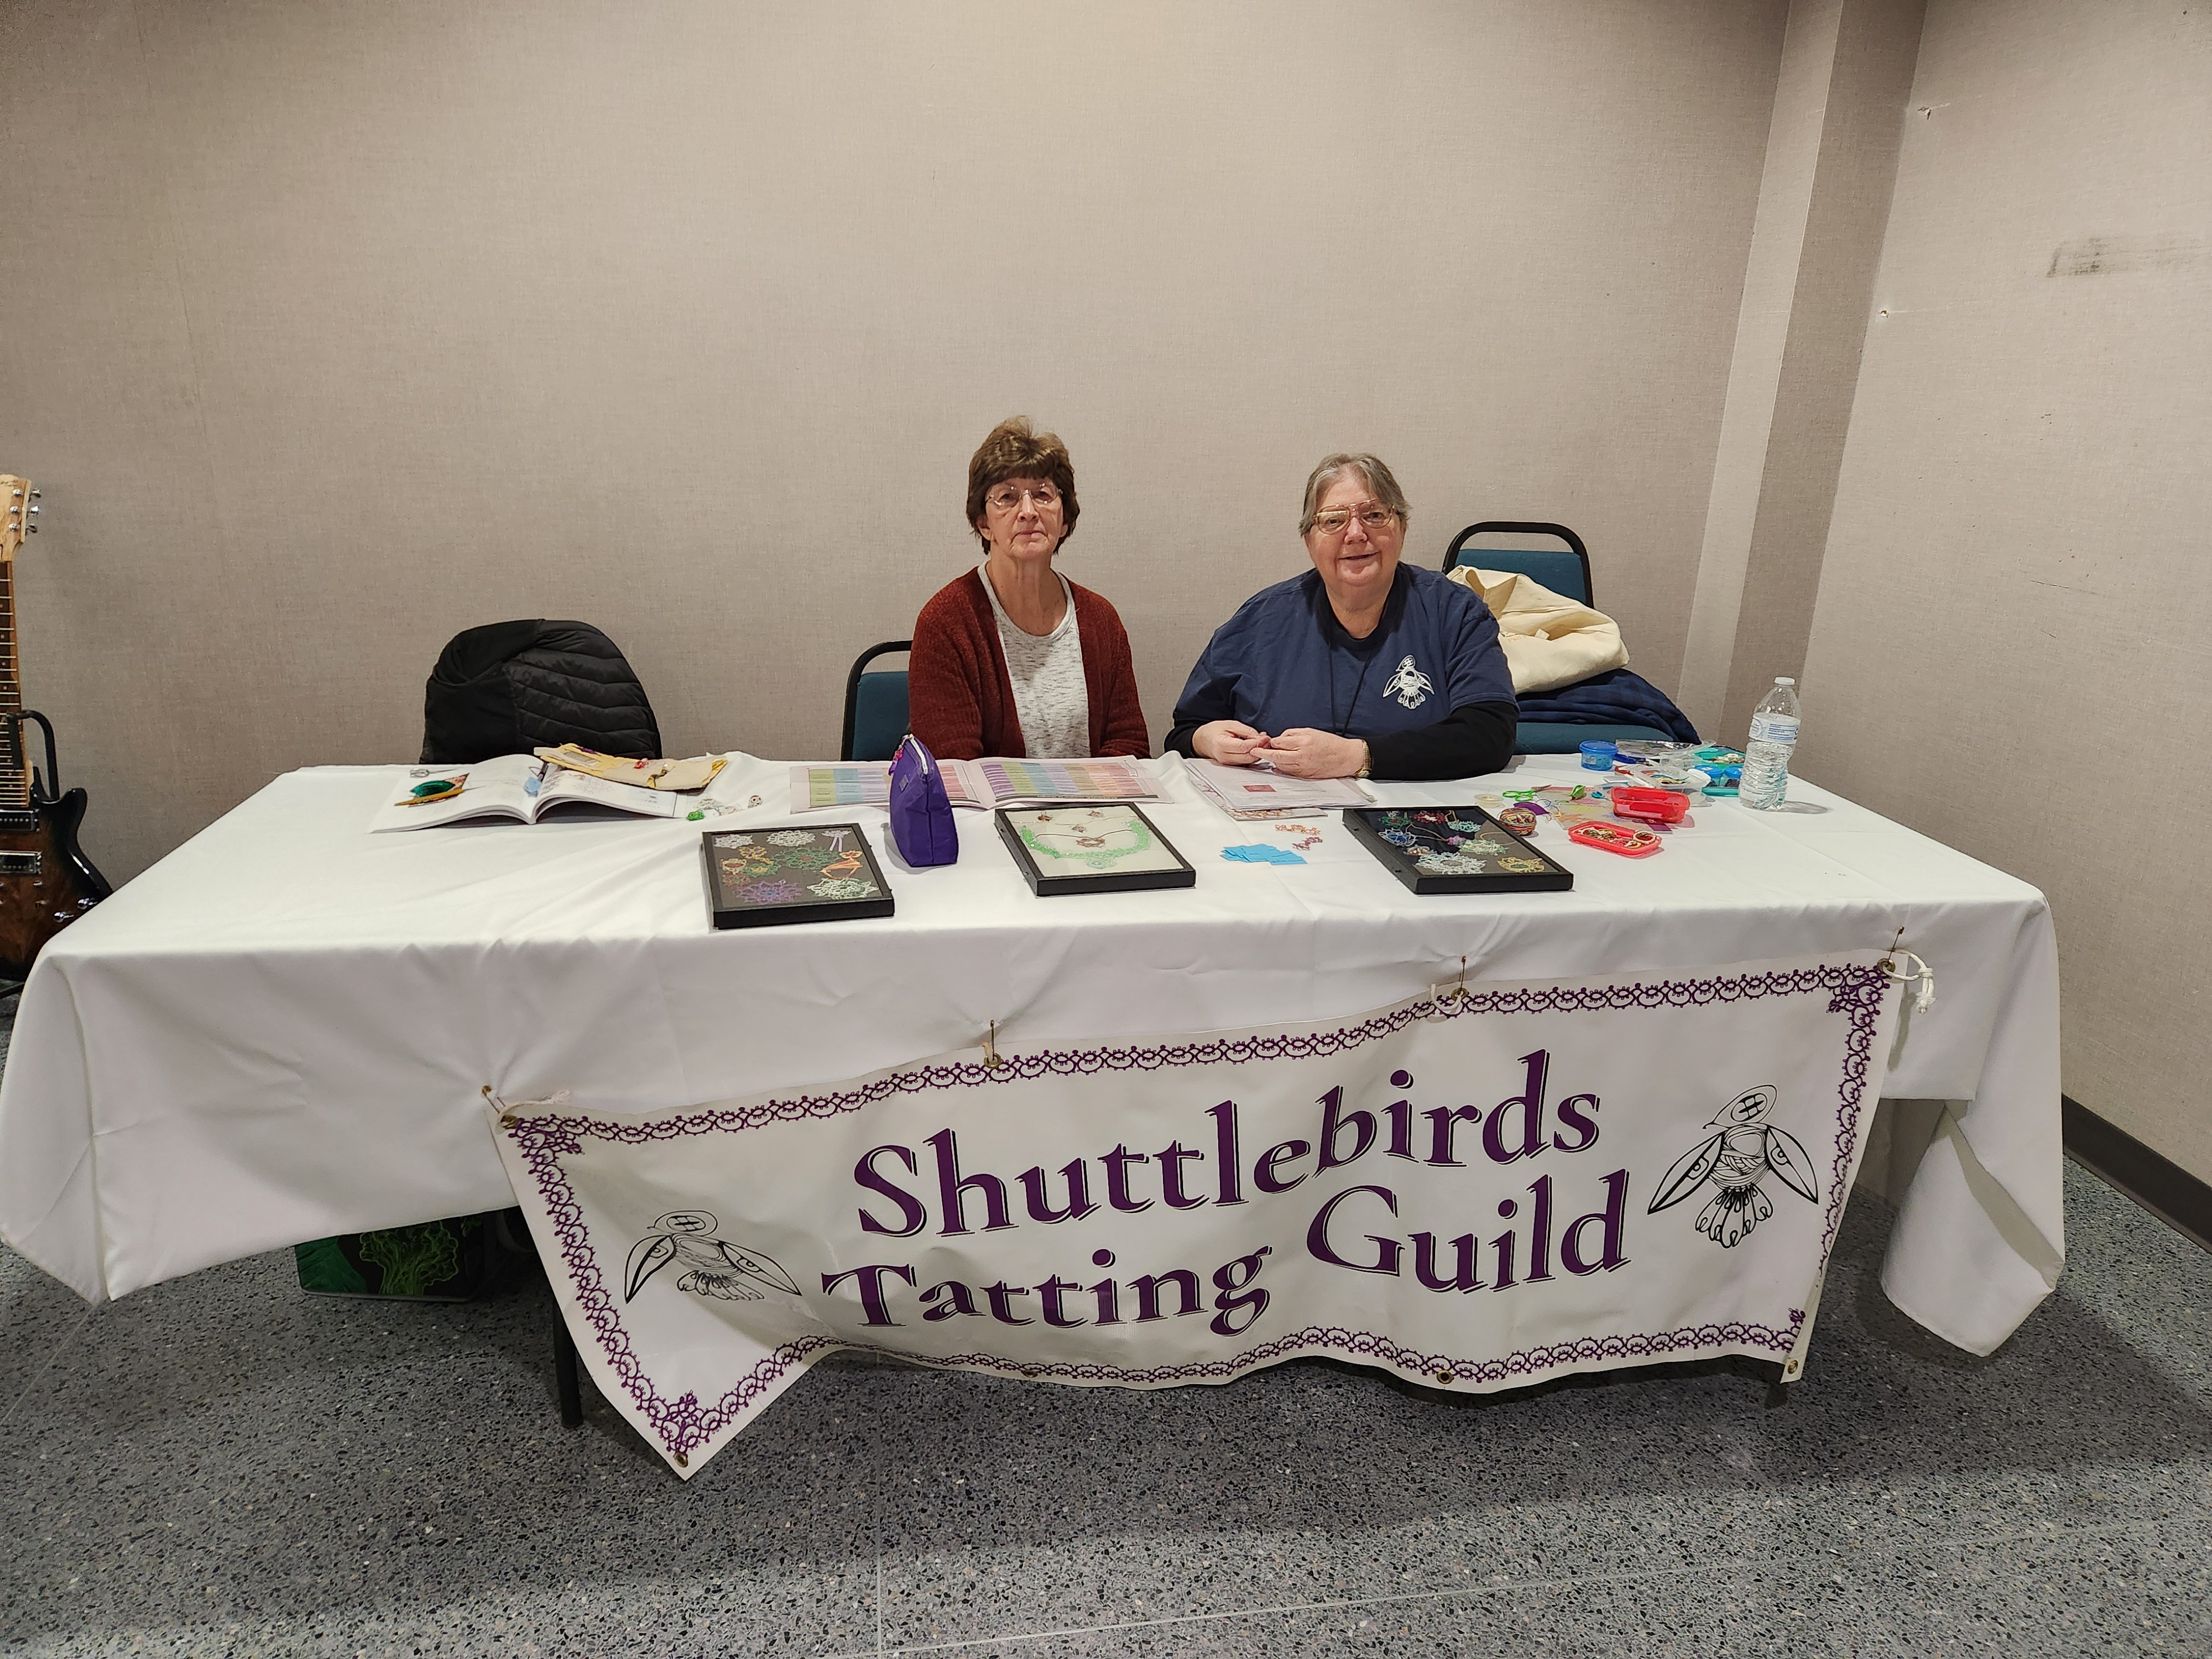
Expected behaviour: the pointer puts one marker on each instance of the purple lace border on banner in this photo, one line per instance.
(684, 1425)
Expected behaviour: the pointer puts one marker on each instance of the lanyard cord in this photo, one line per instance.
(1335, 723)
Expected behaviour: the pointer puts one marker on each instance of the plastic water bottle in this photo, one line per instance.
(1767, 756)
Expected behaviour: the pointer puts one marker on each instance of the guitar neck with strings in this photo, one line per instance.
(15, 768)
(45, 881)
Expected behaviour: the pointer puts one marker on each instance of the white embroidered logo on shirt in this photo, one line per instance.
(1409, 685)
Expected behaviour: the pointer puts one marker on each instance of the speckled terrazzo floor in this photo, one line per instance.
(222, 1466)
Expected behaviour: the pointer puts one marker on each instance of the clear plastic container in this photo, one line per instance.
(1774, 726)
(1640, 751)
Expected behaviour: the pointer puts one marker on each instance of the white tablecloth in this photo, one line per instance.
(283, 1030)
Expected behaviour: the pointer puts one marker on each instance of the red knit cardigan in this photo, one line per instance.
(961, 699)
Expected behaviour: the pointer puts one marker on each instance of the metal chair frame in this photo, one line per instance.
(888, 648)
(1517, 527)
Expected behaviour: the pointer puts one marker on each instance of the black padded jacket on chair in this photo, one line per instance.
(507, 688)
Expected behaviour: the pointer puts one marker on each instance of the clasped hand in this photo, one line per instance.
(1300, 752)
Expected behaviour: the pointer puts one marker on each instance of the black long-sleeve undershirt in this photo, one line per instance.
(1472, 739)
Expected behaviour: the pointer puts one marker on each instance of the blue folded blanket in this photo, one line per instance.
(1615, 697)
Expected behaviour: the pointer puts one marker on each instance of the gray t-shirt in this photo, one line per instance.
(1050, 699)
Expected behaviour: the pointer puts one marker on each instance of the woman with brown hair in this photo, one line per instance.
(1012, 658)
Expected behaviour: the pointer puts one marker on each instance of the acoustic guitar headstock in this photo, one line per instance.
(21, 518)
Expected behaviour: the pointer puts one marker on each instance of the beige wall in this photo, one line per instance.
(2013, 605)
(1847, 67)
(330, 329)
(345, 326)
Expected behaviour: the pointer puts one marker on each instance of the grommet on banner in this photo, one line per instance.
(505, 1112)
(1440, 994)
(991, 1056)
(508, 1119)
(1894, 966)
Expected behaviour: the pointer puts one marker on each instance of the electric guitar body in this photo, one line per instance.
(45, 880)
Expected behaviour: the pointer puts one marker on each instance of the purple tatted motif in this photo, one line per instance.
(771, 893)
(682, 1424)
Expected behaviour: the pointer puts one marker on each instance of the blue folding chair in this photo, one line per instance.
(875, 705)
(1563, 571)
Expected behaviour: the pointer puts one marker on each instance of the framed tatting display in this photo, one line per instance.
(765, 877)
(1108, 849)
(1453, 849)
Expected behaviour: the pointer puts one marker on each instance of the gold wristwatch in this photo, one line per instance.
(1367, 765)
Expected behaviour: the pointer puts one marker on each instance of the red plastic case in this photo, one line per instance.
(1615, 838)
(1654, 805)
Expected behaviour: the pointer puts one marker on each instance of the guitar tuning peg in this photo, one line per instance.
(34, 495)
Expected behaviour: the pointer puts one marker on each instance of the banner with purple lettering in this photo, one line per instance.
(1477, 1189)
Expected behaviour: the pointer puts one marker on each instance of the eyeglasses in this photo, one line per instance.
(1337, 520)
(1005, 501)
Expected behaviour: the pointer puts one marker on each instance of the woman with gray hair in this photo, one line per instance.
(1359, 667)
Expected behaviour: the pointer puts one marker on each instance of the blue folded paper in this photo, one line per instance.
(1261, 852)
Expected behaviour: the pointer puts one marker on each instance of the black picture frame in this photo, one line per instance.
(776, 887)
(1046, 882)
(1372, 826)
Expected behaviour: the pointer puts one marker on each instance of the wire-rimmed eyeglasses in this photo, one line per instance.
(1338, 519)
(1007, 498)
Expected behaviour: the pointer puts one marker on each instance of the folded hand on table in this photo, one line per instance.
(1303, 752)
(1229, 743)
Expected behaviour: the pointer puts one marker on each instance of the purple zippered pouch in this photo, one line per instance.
(921, 813)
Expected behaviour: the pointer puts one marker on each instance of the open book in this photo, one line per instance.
(980, 784)
(1246, 793)
(518, 786)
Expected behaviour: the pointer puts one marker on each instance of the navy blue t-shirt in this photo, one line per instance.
(1284, 660)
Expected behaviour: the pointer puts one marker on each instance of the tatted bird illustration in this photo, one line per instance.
(1744, 1150)
(1409, 685)
(713, 1266)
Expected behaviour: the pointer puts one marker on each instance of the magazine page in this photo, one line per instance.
(1003, 781)
(563, 787)
(867, 783)
(422, 796)
(1253, 791)
(685, 776)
